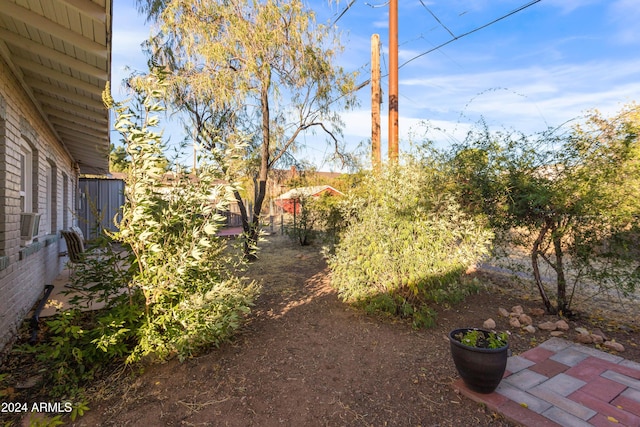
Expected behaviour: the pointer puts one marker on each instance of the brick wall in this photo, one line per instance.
(24, 271)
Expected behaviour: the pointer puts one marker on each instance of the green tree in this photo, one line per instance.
(249, 67)
(569, 196)
(118, 159)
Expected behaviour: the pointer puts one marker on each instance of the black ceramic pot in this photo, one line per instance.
(481, 369)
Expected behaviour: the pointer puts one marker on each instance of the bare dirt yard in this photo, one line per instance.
(304, 358)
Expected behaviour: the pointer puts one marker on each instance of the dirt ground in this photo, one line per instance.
(306, 359)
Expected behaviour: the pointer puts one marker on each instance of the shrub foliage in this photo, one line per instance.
(170, 285)
(570, 199)
(407, 243)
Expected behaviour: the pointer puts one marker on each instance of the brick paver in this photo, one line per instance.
(549, 368)
(567, 384)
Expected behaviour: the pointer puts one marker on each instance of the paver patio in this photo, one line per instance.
(561, 383)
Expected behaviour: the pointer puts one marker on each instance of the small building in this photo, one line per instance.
(54, 64)
(290, 201)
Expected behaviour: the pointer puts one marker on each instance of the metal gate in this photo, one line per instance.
(101, 199)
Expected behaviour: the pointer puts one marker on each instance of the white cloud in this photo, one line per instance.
(528, 99)
(625, 14)
(568, 6)
(381, 24)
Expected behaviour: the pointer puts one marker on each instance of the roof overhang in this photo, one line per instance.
(60, 51)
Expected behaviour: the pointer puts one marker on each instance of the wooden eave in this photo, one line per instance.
(60, 51)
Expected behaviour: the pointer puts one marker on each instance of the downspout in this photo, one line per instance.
(35, 320)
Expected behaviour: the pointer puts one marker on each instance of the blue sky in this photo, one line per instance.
(540, 67)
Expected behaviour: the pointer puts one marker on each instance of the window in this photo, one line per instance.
(51, 193)
(65, 201)
(26, 179)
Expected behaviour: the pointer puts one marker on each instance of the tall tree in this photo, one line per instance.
(261, 70)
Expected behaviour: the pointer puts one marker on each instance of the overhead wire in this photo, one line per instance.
(375, 6)
(513, 12)
(344, 11)
(437, 19)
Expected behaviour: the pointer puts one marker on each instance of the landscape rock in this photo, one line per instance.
(503, 312)
(582, 331)
(29, 382)
(556, 333)
(489, 324)
(548, 326)
(514, 322)
(599, 333)
(562, 325)
(536, 312)
(518, 310)
(584, 339)
(525, 320)
(597, 339)
(530, 328)
(612, 345)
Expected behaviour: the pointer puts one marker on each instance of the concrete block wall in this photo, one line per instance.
(24, 271)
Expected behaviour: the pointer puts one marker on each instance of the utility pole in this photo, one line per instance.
(393, 79)
(375, 101)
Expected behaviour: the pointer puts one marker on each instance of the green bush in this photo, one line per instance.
(80, 345)
(407, 244)
(170, 288)
(319, 218)
(192, 297)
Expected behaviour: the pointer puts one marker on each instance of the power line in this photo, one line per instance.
(375, 6)
(344, 11)
(513, 12)
(366, 82)
(437, 19)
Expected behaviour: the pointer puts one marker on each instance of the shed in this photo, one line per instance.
(290, 201)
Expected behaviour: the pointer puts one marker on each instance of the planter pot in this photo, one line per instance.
(481, 369)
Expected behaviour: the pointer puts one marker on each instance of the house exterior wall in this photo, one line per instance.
(26, 268)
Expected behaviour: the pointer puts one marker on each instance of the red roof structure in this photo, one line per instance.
(290, 201)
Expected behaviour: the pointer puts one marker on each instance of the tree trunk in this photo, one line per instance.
(536, 269)
(253, 227)
(246, 227)
(563, 305)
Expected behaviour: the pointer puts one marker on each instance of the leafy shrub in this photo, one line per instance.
(567, 197)
(192, 297)
(319, 218)
(170, 289)
(101, 275)
(303, 226)
(407, 243)
(80, 345)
